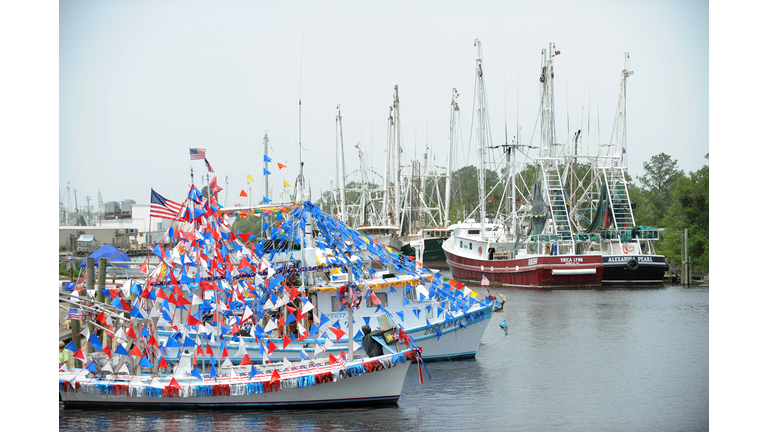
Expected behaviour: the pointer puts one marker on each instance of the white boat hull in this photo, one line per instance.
(374, 387)
(453, 341)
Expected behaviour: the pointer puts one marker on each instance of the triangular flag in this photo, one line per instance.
(249, 178)
(286, 184)
(245, 360)
(242, 192)
(281, 166)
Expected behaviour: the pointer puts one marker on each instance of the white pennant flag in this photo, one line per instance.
(270, 326)
(246, 314)
(286, 363)
(196, 300)
(124, 370)
(241, 349)
(107, 367)
(308, 306)
(318, 349)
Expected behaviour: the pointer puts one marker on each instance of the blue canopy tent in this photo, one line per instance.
(109, 252)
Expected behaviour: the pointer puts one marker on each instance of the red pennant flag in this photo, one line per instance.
(162, 362)
(271, 347)
(208, 349)
(107, 351)
(245, 360)
(338, 332)
(114, 293)
(174, 383)
(224, 353)
(294, 292)
(275, 377)
(152, 341)
(143, 268)
(199, 350)
(79, 354)
(135, 351)
(145, 293)
(160, 294)
(243, 262)
(281, 322)
(286, 341)
(101, 318)
(331, 358)
(182, 301)
(130, 333)
(191, 320)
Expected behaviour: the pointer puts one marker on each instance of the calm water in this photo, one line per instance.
(612, 359)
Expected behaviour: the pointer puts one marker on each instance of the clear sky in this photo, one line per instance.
(140, 82)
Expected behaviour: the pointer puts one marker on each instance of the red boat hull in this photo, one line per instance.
(546, 271)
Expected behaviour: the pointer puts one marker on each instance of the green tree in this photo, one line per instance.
(689, 209)
(658, 182)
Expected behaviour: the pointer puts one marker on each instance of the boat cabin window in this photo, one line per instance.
(474, 231)
(461, 244)
(335, 304)
(470, 246)
(382, 296)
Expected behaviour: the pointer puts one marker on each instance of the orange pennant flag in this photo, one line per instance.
(243, 194)
(281, 166)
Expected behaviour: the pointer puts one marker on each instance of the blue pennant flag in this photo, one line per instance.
(117, 303)
(266, 172)
(121, 350)
(95, 342)
(213, 369)
(196, 374)
(267, 158)
(417, 312)
(92, 367)
(145, 362)
(265, 199)
(253, 372)
(367, 320)
(401, 314)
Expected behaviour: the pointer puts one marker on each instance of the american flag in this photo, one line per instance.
(208, 165)
(196, 154)
(163, 208)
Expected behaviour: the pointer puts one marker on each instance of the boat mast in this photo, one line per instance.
(396, 106)
(387, 160)
(454, 113)
(266, 176)
(547, 102)
(340, 175)
(620, 138)
(364, 196)
(481, 136)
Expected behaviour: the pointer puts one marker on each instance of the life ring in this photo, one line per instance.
(632, 263)
(624, 249)
(480, 250)
(631, 248)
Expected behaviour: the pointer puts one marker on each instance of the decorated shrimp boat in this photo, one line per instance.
(197, 292)
(546, 255)
(376, 380)
(342, 277)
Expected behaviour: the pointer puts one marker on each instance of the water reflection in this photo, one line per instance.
(610, 359)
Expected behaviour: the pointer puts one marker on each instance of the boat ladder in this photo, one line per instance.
(556, 199)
